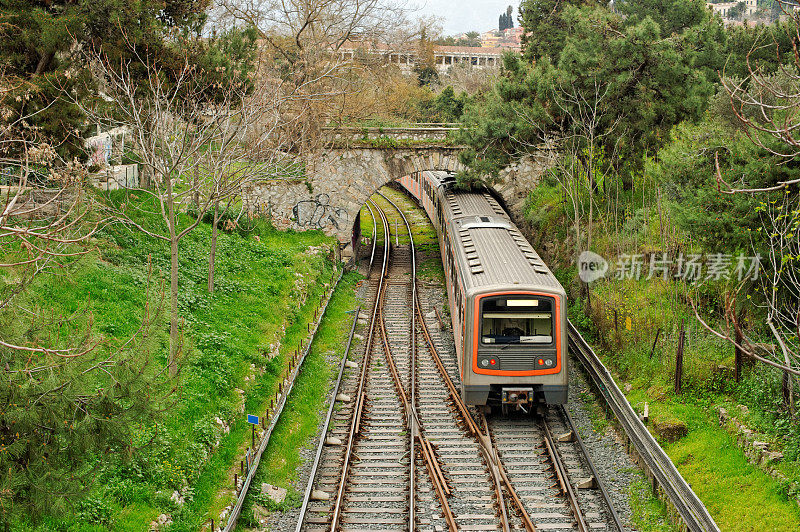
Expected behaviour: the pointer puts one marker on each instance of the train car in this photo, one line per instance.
(508, 310)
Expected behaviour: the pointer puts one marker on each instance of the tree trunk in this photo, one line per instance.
(174, 333)
(737, 354)
(679, 360)
(213, 253)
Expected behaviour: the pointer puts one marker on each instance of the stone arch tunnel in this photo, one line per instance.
(341, 180)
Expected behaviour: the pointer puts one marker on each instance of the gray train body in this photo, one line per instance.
(508, 310)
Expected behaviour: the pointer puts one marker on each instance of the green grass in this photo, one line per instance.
(263, 279)
(649, 513)
(298, 423)
(738, 495)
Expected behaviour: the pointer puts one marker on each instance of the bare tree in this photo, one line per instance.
(198, 150)
(303, 41)
(43, 208)
(768, 105)
(581, 169)
(778, 282)
(261, 151)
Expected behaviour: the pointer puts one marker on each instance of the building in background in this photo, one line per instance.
(734, 12)
(508, 39)
(444, 57)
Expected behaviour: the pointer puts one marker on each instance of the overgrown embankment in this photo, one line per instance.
(235, 346)
(634, 321)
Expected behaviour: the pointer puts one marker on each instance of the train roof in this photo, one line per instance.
(492, 250)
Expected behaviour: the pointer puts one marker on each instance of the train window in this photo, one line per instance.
(517, 319)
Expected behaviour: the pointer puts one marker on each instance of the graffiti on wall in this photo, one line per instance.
(100, 150)
(319, 213)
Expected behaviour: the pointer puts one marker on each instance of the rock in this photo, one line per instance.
(260, 513)
(343, 398)
(350, 364)
(177, 498)
(275, 493)
(224, 426)
(762, 445)
(319, 495)
(723, 416)
(358, 337)
(743, 410)
(628, 387)
(240, 393)
(670, 431)
(723, 372)
(771, 457)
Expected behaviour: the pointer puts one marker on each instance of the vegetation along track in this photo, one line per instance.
(404, 451)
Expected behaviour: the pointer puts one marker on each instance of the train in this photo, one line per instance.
(508, 310)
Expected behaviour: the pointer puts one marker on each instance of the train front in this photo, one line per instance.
(518, 349)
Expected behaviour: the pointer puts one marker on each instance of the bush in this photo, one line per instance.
(95, 511)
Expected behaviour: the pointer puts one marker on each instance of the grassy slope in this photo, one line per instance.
(738, 495)
(263, 278)
(299, 421)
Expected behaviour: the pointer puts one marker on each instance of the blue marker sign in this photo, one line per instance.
(252, 419)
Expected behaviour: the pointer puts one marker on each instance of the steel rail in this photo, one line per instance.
(417, 433)
(410, 419)
(484, 440)
(562, 475)
(326, 425)
(526, 520)
(600, 484)
(374, 239)
(688, 505)
(493, 460)
(358, 408)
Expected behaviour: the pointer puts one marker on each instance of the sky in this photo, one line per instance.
(460, 16)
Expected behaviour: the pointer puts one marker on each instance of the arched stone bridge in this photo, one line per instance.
(341, 179)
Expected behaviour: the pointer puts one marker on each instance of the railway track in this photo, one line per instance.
(405, 453)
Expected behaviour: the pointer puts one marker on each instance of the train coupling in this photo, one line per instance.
(520, 397)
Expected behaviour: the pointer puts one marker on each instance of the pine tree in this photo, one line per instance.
(37, 44)
(638, 84)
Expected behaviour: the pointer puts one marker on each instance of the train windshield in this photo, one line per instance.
(517, 319)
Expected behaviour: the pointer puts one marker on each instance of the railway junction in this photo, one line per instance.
(399, 449)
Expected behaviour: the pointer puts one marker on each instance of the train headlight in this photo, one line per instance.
(489, 362)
